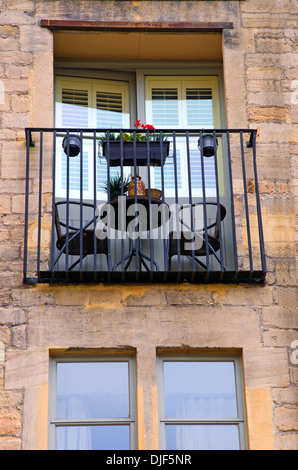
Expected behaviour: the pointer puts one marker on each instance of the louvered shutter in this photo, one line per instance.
(109, 108)
(87, 103)
(199, 107)
(111, 100)
(73, 102)
(185, 103)
(165, 111)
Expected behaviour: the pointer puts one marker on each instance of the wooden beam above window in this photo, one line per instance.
(78, 25)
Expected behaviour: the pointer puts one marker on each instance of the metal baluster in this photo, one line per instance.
(218, 204)
(39, 204)
(246, 203)
(260, 225)
(25, 261)
(53, 205)
(232, 206)
(204, 206)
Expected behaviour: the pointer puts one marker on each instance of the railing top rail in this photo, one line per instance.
(144, 131)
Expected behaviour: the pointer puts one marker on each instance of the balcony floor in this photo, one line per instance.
(159, 277)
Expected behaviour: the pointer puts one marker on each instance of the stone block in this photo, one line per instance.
(10, 421)
(10, 443)
(269, 114)
(280, 317)
(268, 20)
(18, 336)
(286, 273)
(26, 369)
(13, 186)
(271, 100)
(287, 297)
(244, 295)
(5, 335)
(9, 43)
(279, 338)
(266, 367)
(16, 18)
(261, 72)
(278, 7)
(9, 399)
(35, 39)
(5, 204)
(273, 43)
(20, 104)
(201, 295)
(71, 296)
(286, 418)
(287, 441)
(12, 316)
(22, 5)
(285, 396)
(16, 120)
(105, 298)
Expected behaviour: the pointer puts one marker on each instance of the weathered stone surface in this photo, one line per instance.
(258, 323)
(10, 421)
(286, 418)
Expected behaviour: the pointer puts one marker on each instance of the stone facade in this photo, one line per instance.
(260, 322)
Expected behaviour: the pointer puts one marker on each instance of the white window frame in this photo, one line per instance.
(131, 421)
(163, 420)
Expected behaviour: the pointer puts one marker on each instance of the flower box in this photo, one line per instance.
(156, 156)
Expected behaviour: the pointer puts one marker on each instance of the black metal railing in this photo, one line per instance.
(142, 205)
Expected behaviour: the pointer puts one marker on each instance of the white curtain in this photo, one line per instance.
(73, 437)
(201, 436)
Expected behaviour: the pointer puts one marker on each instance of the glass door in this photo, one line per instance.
(188, 104)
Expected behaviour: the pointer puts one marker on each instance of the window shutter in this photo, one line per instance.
(88, 103)
(74, 108)
(109, 109)
(199, 107)
(165, 111)
(186, 103)
(73, 102)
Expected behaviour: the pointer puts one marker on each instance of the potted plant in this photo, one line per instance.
(115, 184)
(158, 151)
(207, 145)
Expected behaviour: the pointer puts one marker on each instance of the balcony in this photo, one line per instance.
(193, 216)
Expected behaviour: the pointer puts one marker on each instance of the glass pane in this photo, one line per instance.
(200, 389)
(202, 437)
(199, 107)
(165, 110)
(92, 390)
(92, 438)
(109, 109)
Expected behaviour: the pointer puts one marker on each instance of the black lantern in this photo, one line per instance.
(74, 143)
(208, 145)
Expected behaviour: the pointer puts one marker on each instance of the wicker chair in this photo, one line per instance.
(187, 236)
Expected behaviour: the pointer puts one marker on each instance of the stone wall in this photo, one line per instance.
(260, 77)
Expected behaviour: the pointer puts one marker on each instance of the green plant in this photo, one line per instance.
(129, 137)
(115, 184)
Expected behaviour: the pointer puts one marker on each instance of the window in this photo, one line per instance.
(200, 404)
(92, 404)
(165, 101)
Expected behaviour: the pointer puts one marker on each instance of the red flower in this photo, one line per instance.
(137, 123)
